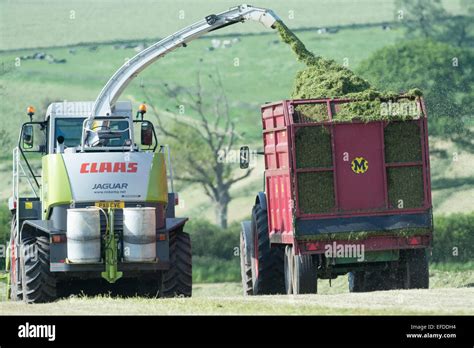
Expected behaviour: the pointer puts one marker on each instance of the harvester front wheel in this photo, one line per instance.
(178, 279)
(267, 261)
(39, 285)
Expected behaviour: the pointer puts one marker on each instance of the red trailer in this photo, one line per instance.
(340, 197)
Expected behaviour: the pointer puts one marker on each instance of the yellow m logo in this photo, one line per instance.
(359, 165)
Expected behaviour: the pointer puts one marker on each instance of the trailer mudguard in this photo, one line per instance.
(262, 200)
(393, 222)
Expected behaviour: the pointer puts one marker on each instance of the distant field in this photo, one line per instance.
(265, 72)
(53, 22)
(48, 23)
(451, 293)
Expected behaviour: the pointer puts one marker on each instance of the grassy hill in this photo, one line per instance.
(265, 72)
(27, 24)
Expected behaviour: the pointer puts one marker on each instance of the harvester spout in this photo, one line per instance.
(107, 98)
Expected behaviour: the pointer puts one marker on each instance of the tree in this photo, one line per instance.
(201, 143)
(459, 30)
(444, 73)
(428, 19)
(420, 17)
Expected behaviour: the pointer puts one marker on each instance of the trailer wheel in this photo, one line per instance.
(413, 269)
(371, 280)
(289, 269)
(39, 285)
(301, 275)
(267, 262)
(356, 281)
(245, 268)
(16, 291)
(178, 279)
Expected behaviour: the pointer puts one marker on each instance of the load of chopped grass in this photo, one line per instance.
(313, 147)
(402, 142)
(325, 78)
(405, 187)
(316, 192)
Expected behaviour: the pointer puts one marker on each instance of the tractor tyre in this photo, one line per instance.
(366, 281)
(301, 273)
(356, 281)
(413, 269)
(38, 283)
(267, 261)
(177, 281)
(245, 268)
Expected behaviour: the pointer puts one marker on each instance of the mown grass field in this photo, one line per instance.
(72, 21)
(451, 293)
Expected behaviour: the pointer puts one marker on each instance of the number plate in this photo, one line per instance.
(116, 205)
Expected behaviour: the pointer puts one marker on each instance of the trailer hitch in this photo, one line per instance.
(111, 273)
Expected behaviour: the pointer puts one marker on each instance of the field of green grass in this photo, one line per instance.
(265, 72)
(26, 24)
(89, 35)
(451, 293)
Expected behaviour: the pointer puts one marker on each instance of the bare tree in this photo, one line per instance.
(201, 143)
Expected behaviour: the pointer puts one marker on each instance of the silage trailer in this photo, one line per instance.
(335, 190)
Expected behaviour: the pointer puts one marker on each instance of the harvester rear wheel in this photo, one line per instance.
(178, 280)
(245, 268)
(267, 261)
(38, 283)
(301, 273)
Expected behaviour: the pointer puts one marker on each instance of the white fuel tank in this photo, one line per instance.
(139, 234)
(83, 235)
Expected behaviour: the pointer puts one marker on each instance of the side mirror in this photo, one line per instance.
(27, 137)
(147, 133)
(244, 157)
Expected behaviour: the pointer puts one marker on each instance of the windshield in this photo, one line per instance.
(70, 129)
(108, 133)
